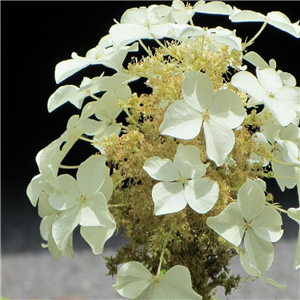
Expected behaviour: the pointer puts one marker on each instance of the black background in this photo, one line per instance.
(35, 36)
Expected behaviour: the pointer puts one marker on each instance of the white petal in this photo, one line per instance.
(174, 284)
(229, 224)
(260, 252)
(197, 90)
(201, 194)
(219, 140)
(294, 213)
(256, 60)
(181, 121)
(161, 169)
(68, 67)
(168, 197)
(282, 22)
(285, 105)
(247, 82)
(225, 36)
(251, 199)
(269, 79)
(228, 108)
(96, 237)
(245, 262)
(63, 94)
(187, 160)
(64, 225)
(35, 187)
(296, 264)
(288, 174)
(238, 15)
(267, 225)
(98, 204)
(215, 7)
(91, 174)
(132, 279)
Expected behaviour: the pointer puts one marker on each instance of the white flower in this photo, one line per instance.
(182, 13)
(46, 233)
(283, 143)
(213, 7)
(256, 60)
(224, 36)
(83, 202)
(103, 53)
(134, 281)
(282, 101)
(141, 23)
(181, 182)
(151, 22)
(218, 113)
(274, 18)
(261, 225)
(294, 213)
(73, 94)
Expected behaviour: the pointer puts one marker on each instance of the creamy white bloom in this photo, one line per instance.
(134, 281)
(274, 18)
(151, 22)
(104, 53)
(256, 60)
(294, 213)
(218, 114)
(250, 216)
(83, 202)
(181, 183)
(282, 101)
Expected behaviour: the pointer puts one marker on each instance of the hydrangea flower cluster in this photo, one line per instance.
(180, 170)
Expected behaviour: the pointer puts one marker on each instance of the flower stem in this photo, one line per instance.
(145, 48)
(68, 167)
(162, 255)
(256, 36)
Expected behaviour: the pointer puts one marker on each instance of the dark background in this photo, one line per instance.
(36, 36)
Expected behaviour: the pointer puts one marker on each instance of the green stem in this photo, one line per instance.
(145, 48)
(93, 96)
(117, 205)
(68, 167)
(162, 255)
(279, 209)
(86, 139)
(256, 36)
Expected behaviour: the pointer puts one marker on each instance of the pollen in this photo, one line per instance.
(271, 95)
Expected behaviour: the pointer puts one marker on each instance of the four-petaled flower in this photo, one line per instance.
(217, 113)
(282, 101)
(182, 182)
(134, 281)
(251, 217)
(83, 202)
